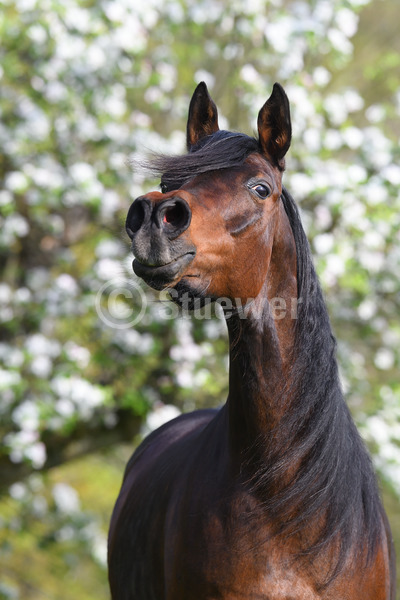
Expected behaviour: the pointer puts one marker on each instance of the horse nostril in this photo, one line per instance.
(175, 216)
(172, 216)
(135, 218)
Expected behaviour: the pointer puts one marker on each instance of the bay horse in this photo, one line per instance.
(272, 497)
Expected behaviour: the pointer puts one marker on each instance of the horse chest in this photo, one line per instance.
(231, 558)
(224, 556)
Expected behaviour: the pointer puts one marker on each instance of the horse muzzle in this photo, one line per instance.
(155, 228)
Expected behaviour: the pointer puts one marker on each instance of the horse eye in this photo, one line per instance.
(164, 188)
(262, 190)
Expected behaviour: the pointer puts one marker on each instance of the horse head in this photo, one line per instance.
(211, 229)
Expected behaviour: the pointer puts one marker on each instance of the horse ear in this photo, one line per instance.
(274, 127)
(203, 116)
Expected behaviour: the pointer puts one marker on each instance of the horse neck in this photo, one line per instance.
(261, 343)
(291, 435)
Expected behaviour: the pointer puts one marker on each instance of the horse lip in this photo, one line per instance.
(161, 275)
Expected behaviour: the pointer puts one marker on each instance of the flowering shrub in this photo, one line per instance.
(86, 85)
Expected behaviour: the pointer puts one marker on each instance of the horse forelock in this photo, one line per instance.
(221, 150)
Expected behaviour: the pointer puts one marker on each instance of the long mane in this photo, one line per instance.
(333, 482)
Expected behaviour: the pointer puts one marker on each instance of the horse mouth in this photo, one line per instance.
(160, 276)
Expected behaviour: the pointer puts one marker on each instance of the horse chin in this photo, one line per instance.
(162, 276)
(190, 294)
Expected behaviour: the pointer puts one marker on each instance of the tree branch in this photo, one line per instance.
(85, 439)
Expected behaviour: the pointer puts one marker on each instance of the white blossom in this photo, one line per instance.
(323, 243)
(66, 498)
(39, 344)
(78, 354)
(41, 366)
(85, 396)
(107, 268)
(8, 378)
(82, 172)
(161, 414)
(347, 21)
(384, 359)
(26, 416)
(321, 76)
(392, 174)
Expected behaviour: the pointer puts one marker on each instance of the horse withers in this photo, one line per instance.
(273, 496)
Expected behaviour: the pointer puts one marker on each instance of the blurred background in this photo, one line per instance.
(87, 369)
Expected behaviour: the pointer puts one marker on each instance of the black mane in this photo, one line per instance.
(334, 482)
